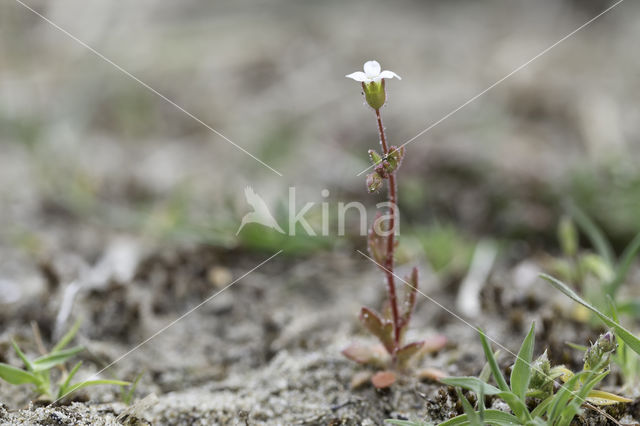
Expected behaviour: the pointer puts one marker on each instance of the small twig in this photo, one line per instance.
(604, 413)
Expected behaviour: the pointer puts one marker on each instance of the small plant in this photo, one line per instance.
(537, 379)
(621, 333)
(629, 364)
(38, 372)
(597, 275)
(390, 325)
(127, 392)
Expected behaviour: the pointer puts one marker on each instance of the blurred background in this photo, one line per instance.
(87, 153)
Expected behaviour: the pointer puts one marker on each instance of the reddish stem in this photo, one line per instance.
(391, 285)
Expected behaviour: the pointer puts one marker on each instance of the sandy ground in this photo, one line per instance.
(119, 210)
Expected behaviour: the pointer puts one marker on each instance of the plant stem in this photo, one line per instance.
(393, 199)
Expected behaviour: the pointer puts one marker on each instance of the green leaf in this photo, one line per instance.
(47, 362)
(613, 308)
(495, 369)
(598, 240)
(17, 376)
(22, 356)
(481, 407)
(599, 397)
(485, 373)
(621, 355)
(473, 417)
(521, 371)
(481, 388)
(66, 339)
(570, 411)
(576, 346)
(67, 382)
(517, 405)
(88, 383)
(622, 333)
(494, 417)
(563, 396)
(542, 407)
(127, 394)
(404, 354)
(471, 383)
(375, 157)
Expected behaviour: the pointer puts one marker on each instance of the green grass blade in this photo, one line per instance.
(67, 382)
(621, 354)
(471, 383)
(485, 373)
(622, 333)
(573, 407)
(614, 309)
(473, 417)
(22, 356)
(47, 362)
(127, 394)
(517, 405)
(17, 376)
(622, 269)
(495, 369)
(494, 417)
(521, 372)
(88, 383)
(593, 232)
(67, 338)
(576, 346)
(563, 396)
(542, 407)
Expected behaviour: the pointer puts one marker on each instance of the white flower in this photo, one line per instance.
(372, 73)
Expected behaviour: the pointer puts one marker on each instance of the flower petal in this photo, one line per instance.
(372, 68)
(389, 74)
(358, 76)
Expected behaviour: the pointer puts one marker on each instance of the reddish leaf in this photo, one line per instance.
(374, 355)
(360, 378)
(432, 374)
(407, 352)
(434, 344)
(382, 329)
(409, 303)
(383, 379)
